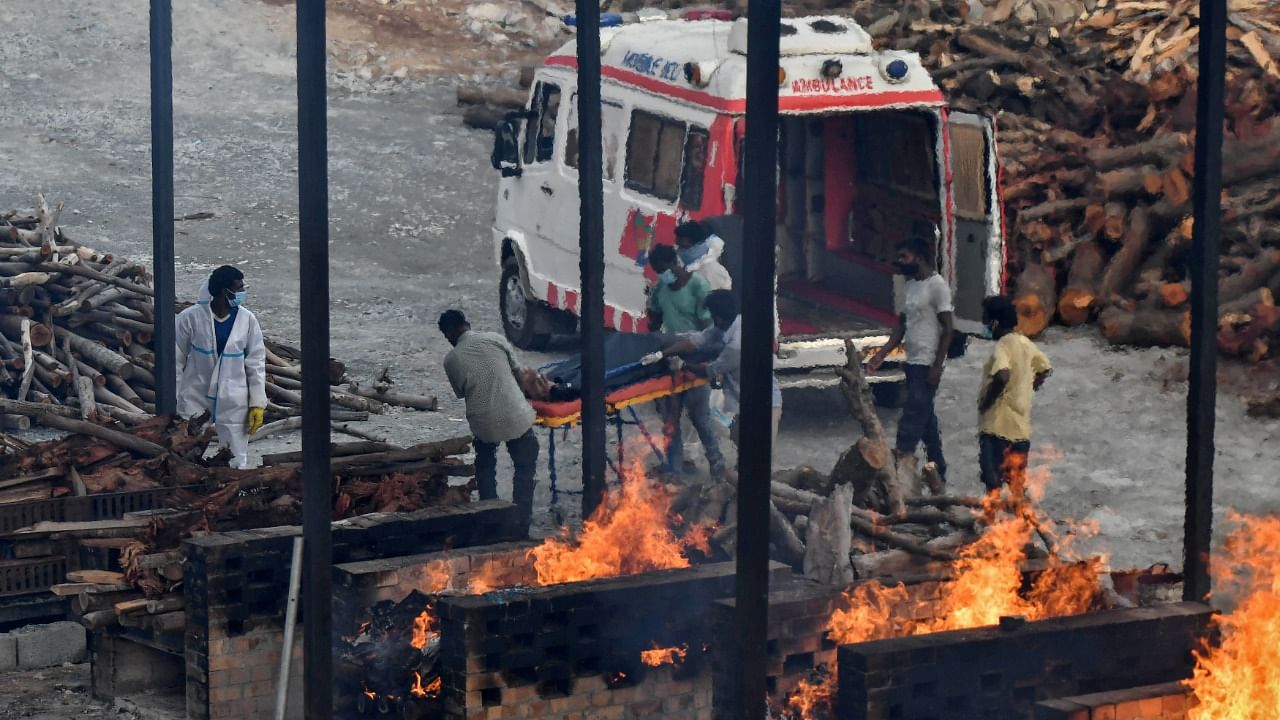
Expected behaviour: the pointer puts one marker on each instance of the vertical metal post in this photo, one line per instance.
(1207, 207)
(161, 42)
(591, 254)
(755, 451)
(313, 228)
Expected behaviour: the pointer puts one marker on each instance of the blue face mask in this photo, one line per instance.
(668, 276)
(988, 333)
(238, 299)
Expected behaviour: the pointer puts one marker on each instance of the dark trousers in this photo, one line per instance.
(524, 456)
(696, 402)
(919, 423)
(1003, 462)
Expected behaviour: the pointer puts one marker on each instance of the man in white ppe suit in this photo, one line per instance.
(221, 363)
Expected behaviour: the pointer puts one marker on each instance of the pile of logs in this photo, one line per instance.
(368, 477)
(872, 504)
(76, 329)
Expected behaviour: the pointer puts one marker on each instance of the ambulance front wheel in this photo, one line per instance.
(522, 317)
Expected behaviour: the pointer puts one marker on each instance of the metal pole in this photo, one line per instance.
(290, 622)
(591, 254)
(755, 451)
(1207, 207)
(162, 203)
(313, 228)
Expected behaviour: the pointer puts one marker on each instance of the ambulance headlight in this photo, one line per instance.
(895, 71)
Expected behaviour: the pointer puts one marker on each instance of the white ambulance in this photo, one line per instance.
(869, 155)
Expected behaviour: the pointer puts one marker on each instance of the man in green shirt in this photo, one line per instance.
(677, 305)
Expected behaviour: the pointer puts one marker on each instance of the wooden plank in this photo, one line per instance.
(75, 588)
(51, 527)
(99, 577)
(49, 474)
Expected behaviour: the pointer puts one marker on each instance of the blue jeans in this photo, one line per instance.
(919, 423)
(697, 402)
(524, 456)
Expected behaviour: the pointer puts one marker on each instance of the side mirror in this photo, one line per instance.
(506, 149)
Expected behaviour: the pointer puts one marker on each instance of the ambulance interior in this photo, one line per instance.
(851, 186)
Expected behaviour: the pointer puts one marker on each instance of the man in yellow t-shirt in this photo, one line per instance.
(1015, 370)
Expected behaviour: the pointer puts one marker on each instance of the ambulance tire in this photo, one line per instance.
(522, 317)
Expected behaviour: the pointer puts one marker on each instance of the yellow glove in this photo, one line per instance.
(254, 419)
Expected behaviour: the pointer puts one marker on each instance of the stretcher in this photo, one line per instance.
(564, 416)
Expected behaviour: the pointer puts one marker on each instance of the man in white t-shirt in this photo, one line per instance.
(925, 325)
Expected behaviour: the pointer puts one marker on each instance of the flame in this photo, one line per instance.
(812, 698)
(488, 578)
(1240, 678)
(370, 694)
(629, 533)
(988, 581)
(431, 690)
(663, 656)
(437, 577)
(424, 626)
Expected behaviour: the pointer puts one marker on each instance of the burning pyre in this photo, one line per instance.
(1239, 679)
(633, 531)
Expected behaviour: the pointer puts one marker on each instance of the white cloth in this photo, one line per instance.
(925, 299)
(709, 267)
(226, 385)
(728, 364)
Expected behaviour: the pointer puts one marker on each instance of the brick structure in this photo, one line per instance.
(573, 650)
(236, 586)
(1169, 701)
(1001, 674)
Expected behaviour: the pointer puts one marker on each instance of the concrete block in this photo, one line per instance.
(42, 646)
(8, 652)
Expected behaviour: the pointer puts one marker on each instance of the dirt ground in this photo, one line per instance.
(411, 200)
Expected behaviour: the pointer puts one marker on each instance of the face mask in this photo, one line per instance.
(906, 268)
(693, 254)
(988, 333)
(238, 299)
(668, 276)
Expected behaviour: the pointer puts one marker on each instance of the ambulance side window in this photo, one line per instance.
(609, 135)
(655, 149)
(540, 130)
(695, 163)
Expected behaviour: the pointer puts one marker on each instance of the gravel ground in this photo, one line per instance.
(411, 198)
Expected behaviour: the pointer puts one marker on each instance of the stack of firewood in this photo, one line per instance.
(76, 329)
(146, 592)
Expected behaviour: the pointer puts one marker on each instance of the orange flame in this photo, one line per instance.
(812, 698)
(432, 689)
(437, 578)
(663, 656)
(370, 694)
(1240, 679)
(629, 533)
(987, 582)
(424, 626)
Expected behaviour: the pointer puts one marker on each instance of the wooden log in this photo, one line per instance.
(166, 604)
(122, 389)
(1050, 209)
(98, 355)
(90, 601)
(500, 97)
(169, 622)
(1146, 328)
(94, 275)
(335, 450)
(861, 463)
(28, 364)
(1036, 299)
(878, 532)
(103, 396)
(1174, 295)
(1255, 274)
(1115, 220)
(1076, 302)
(279, 426)
(423, 451)
(99, 619)
(1246, 302)
(1126, 183)
(828, 537)
(126, 607)
(1161, 150)
(115, 437)
(12, 327)
(416, 402)
(790, 549)
(1120, 270)
(857, 394)
(347, 429)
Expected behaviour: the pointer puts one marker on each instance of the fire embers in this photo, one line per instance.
(1240, 678)
(812, 699)
(396, 677)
